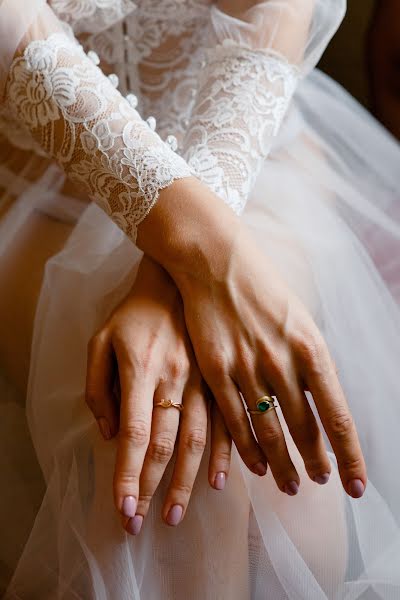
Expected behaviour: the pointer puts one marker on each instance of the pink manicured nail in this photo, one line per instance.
(260, 469)
(322, 479)
(104, 428)
(355, 488)
(175, 515)
(129, 506)
(219, 481)
(291, 488)
(135, 525)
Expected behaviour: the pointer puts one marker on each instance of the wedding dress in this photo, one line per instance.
(315, 178)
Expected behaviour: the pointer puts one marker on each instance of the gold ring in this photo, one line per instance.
(168, 404)
(264, 405)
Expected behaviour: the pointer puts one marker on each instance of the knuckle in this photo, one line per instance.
(340, 423)
(124, 480)
(274, 364)
(179, 367)
(270, 436)
(145, 499)
(354, 464)
(309, 348)
(161, 449)
(237, 426)
(305, 433)
(244, 360)
(195, 441)
(221, 455)
(136, 433)
(216, 367)
(181, 489)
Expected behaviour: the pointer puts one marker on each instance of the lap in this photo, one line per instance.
(21, 273)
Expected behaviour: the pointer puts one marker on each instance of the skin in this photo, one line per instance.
(250, 335)
(246, 338)
(146, 336)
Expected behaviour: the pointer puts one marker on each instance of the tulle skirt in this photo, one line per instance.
(326, 208)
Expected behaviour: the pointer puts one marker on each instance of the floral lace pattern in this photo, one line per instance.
(91, 15)
(77, 116)
(242, 99)
(156, 51)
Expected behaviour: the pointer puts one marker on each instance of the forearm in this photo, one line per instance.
(245, 90)
(257, 53)
(190, 230)
(74, 114)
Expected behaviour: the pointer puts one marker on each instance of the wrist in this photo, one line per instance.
(190, 232)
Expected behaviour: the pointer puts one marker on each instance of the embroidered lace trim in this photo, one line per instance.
(242, 99)
(75, 114)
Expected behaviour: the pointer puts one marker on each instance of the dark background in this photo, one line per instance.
(345, 58)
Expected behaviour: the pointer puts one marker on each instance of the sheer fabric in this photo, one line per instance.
(327, 213)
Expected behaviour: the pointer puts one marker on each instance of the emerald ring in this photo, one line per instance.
(264, 405)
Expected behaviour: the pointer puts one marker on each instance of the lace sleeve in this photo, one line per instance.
(242, 99)
(246, 85)
(61, 99)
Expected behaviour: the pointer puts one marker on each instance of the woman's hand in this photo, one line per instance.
(146, 336)
(252, 335)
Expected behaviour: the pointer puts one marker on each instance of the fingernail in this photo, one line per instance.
(135, 525)
(291, 488)
(129, 506)
(104, 428)
(260, 469)
(219, 481)
(356, 488)
(322, 479)
(175, 515)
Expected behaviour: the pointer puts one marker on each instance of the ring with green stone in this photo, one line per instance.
(264, 405)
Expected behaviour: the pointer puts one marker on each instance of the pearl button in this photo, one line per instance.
(152, 123)
(114, 79)
(172, 142)
(93, 57)
(132, 99)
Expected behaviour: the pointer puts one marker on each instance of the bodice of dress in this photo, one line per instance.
(221, 85)
(156, 52)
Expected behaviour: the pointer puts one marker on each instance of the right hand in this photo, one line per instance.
(252, 335)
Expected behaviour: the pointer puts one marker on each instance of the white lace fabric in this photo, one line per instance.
(91, 16)
(224, 112)
(242, 99)
(245, 87)
(76, 116)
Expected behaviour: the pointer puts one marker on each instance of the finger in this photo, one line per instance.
(303, 426)
(99, 385)
(270, 436)
(137, 392)
(221, 446)
(236, 420)
(164, 430)
(319, 373)
(191, 445)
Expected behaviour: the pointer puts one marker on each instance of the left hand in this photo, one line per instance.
(147, 335)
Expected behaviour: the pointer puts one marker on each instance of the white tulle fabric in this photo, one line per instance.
(327, 211)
